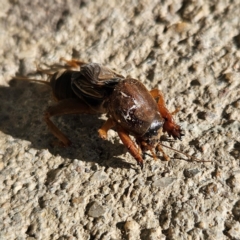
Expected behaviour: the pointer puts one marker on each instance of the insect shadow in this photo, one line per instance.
(21, 116)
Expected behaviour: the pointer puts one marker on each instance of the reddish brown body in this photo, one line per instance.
(131, 109)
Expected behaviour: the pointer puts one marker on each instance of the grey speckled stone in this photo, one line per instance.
(96, 210)
(163, 182)
(189, 173)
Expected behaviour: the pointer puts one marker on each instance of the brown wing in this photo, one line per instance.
(94, 81)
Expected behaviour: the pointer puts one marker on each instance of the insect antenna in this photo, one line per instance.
(191, 158)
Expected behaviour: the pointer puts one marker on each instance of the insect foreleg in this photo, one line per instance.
(169, 125)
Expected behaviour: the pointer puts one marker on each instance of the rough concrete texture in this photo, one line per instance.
(94, 189)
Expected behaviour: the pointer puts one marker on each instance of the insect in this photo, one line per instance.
(131, 109)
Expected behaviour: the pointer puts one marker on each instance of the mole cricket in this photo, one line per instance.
(90, 88)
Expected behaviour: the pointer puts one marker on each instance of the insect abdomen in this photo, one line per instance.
(61, 85)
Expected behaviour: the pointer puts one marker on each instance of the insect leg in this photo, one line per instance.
(169, 125)
(127, 141)
(175, 111)
(105, 127)
(73, 62)
(159, 149)
(63, 107)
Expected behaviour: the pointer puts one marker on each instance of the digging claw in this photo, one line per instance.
(175, 132)
(141, 165)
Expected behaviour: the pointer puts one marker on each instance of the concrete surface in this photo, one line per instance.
(94, 189)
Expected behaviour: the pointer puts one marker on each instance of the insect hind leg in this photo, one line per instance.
(63, 107)
(73, 62)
